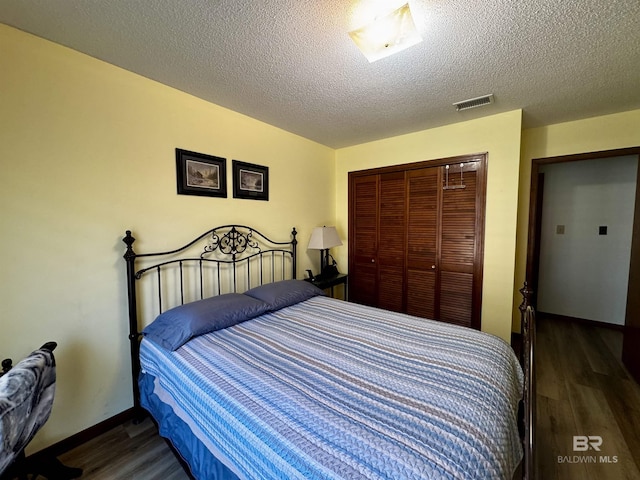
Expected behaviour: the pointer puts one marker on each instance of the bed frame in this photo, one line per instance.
(236, 258)
(229, 258)
(528, 403)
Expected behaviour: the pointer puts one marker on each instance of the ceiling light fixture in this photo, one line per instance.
(387, 34)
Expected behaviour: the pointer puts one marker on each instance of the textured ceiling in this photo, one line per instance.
(292, 64)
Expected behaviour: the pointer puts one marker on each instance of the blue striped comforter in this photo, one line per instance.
(327, 389)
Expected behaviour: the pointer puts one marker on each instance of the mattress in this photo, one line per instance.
(335, 390)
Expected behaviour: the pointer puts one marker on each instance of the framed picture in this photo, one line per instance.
(200, 174)
(250, 181)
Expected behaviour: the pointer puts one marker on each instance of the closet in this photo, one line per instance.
(416, 238)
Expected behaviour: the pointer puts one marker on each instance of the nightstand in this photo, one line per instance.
(325, 283)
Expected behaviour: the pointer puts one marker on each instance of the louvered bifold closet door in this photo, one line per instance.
(416, 238)
(391, 241)
(363, 240)
(459, 229)
(423, 188)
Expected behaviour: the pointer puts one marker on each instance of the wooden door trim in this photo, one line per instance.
(478, 274)
(631, 337)
(419, 165)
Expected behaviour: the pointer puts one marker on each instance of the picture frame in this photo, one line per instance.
(200, 174)
(250, 181)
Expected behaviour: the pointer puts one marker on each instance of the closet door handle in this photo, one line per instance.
(433, 267)
(373, 260)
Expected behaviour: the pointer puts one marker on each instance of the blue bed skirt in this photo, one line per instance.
(202, 463)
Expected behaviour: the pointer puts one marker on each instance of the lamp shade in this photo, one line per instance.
(324, 237)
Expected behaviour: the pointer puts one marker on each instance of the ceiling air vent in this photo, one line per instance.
(474, 102)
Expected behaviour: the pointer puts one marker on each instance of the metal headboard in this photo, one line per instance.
(228, 258)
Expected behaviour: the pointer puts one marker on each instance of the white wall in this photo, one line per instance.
(584, 274)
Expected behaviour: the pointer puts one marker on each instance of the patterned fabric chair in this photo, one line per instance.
(26, 399)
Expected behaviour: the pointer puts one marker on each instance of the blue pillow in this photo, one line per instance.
(282, 294)
(175, 327)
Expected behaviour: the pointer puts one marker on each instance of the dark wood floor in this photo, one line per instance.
(126, 452)
(583, 389)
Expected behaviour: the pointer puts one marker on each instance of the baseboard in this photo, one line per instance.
(84, 436)
(594, 323)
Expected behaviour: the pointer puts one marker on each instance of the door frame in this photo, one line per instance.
(632, 320)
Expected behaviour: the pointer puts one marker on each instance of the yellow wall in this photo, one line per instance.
(608, 132)
(87, 150)
(499, 135)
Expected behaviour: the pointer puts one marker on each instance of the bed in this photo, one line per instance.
(251, 373)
